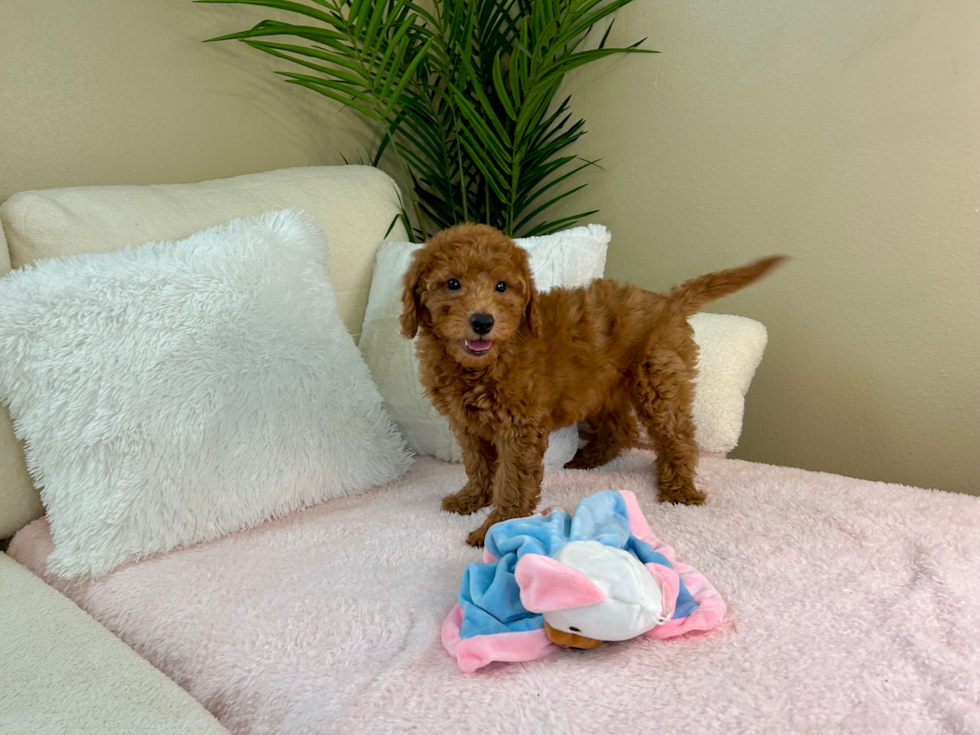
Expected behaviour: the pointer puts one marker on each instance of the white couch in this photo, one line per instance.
(832, 583)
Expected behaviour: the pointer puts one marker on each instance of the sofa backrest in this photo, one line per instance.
(354, 205)
(20, 503)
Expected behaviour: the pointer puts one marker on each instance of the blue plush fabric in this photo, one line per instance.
(489, 596)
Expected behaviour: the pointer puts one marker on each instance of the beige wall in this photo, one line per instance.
(848, 135)
(124, 92)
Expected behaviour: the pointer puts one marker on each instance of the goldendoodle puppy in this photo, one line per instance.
(507, 365)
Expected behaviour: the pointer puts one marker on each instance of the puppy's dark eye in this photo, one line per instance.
(501, 287)
(452, 284)
(572, 627)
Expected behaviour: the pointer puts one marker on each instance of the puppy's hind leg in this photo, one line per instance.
(479, 459)
(613, 430)
(663, 395)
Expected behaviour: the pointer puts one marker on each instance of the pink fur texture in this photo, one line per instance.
(852, 607)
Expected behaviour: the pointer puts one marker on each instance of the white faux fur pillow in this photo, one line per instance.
(570, 258)
(729, 351)
(176, 391)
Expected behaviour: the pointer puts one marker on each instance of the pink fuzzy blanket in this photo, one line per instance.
(852, 607)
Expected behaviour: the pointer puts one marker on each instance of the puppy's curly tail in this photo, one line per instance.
(692, 295)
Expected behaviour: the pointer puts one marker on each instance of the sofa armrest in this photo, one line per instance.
(63, 672)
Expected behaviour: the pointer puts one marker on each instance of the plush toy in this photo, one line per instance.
(574, 581)
(589, 592)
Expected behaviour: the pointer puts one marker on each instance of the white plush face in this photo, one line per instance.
(622, 599)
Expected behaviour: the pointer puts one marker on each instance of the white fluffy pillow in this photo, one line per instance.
(569, 258)
(730, 350)
(176, 391)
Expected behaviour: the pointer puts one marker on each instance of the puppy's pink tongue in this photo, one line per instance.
(479, 345)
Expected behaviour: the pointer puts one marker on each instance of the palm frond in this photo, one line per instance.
(463, 92)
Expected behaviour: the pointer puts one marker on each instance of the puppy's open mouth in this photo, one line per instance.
(477, 346)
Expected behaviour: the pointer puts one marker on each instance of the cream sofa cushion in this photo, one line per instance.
(19, 501)
(62, 672)
(730, 349)
(354, 205)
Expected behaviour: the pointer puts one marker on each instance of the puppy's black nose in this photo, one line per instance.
(481, 323)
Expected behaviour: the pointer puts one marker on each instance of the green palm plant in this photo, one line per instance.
(463, 92)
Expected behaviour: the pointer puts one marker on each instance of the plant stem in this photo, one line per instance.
(462, 172)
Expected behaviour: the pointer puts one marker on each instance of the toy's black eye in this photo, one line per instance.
(452, 284)
(501, 287)
(572, 627)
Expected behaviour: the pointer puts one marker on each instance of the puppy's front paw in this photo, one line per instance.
(683, 495)
(579, 462)
(592, 455)
(464, 502)
(478, 537)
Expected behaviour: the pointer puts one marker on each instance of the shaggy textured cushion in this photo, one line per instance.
(569, 258)
(729, 352)
(355, 204)
(173, 392)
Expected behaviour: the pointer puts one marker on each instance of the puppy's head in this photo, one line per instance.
(471, 288)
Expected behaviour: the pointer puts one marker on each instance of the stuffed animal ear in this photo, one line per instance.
(548, 585)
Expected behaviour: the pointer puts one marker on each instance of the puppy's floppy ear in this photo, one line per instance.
(411, 293)
(532, 313)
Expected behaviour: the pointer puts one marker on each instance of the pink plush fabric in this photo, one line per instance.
(473, 653)
(852, 607)
(670, 584)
